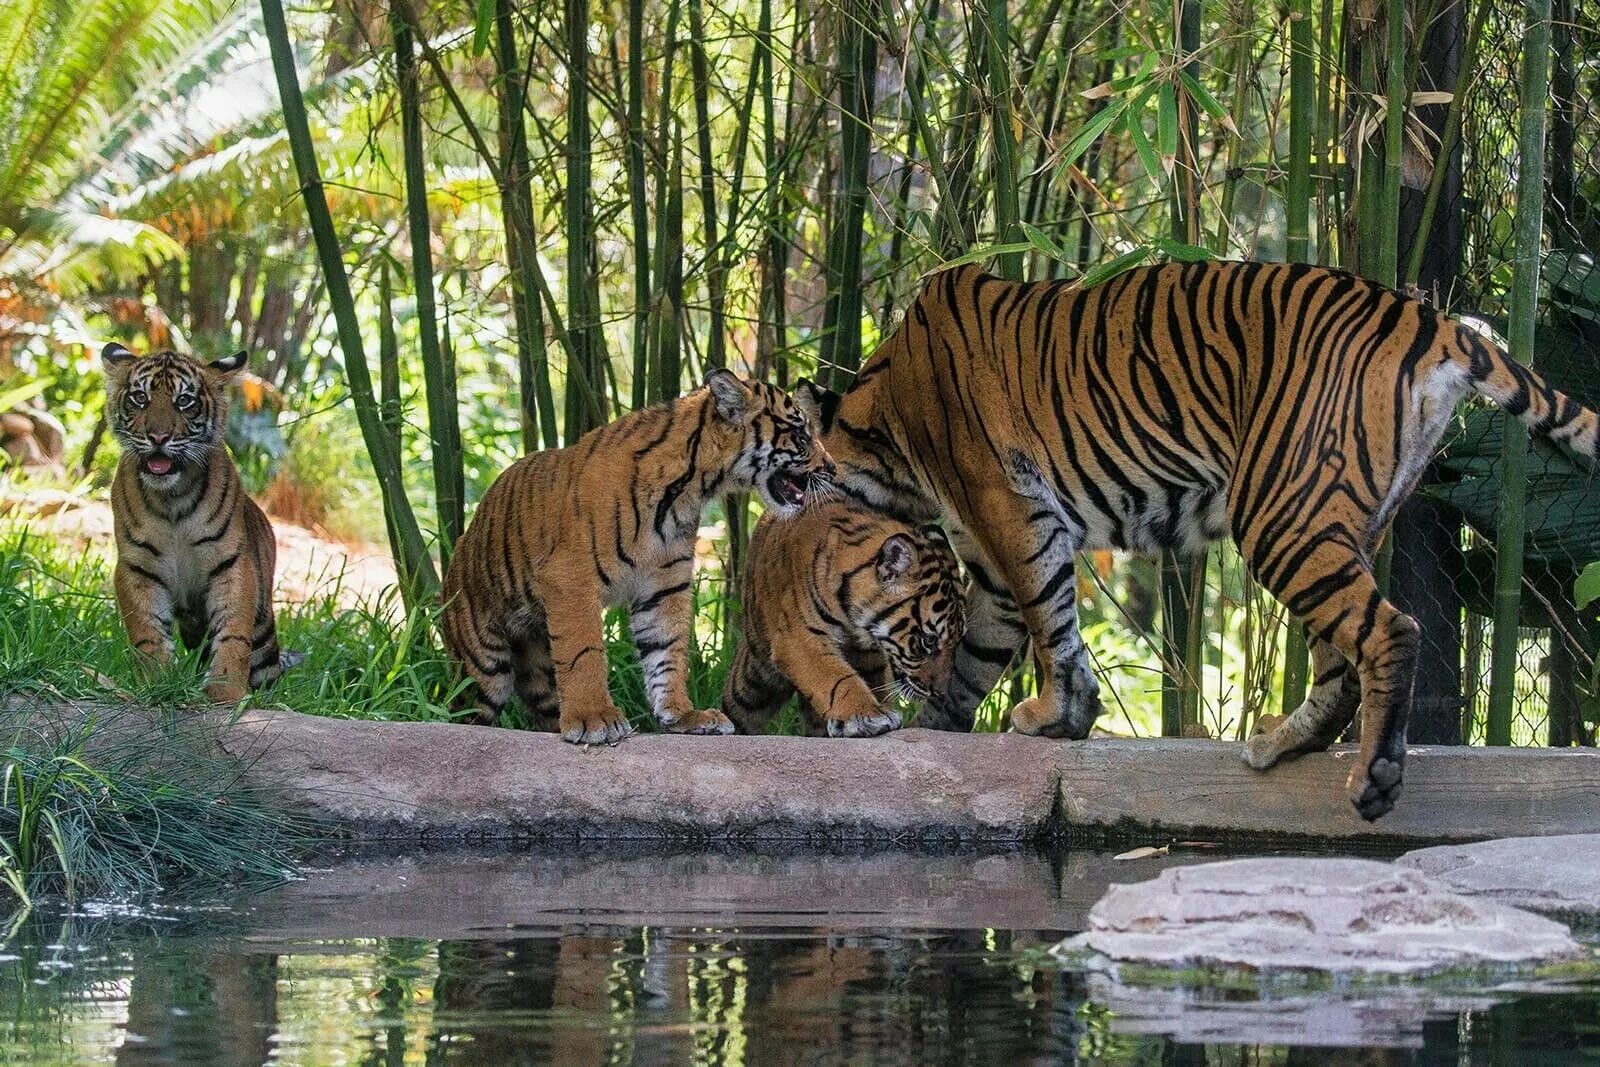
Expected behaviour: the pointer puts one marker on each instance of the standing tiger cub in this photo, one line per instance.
(611, 520)
(849, 607)
(191, 546)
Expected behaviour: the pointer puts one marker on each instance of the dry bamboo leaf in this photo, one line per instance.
(1143, 852)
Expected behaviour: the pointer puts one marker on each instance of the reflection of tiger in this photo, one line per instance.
(191, 545)
(845, 605)
(1291, 406)
(612, 520)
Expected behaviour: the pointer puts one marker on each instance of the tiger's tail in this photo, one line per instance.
(1520, 391)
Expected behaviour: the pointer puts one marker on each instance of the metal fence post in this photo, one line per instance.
(1524, 314)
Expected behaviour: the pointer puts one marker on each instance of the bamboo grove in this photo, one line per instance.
(526, 218)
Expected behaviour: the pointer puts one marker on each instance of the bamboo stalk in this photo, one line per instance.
(1386, 260)
(388, 379)
(537, 398)
(669, 321)
(636, 198)
(841, 337)
(455, 521)
(1302, 119)
(1529, 234)
(418, 579)
(1006, 190)
(585, 401)
(446, 462)
(717, 346)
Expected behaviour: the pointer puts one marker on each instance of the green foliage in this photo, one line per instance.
(112, 803)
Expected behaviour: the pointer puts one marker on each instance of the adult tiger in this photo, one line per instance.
(846, 605)
(1291, 406)
(191, 545)
(563, 533)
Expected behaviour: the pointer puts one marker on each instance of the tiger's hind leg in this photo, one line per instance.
(1319, 720)
(661, 618)
(535, 672)
(1032, 544)
(478, 645)
(1329, 585)
(995, 634)
(754, 690)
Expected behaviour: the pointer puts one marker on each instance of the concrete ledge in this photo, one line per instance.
(429, 780)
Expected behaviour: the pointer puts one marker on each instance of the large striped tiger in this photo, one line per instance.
(611, 520)
(850, 607)
(191, 546)
(1291, 406)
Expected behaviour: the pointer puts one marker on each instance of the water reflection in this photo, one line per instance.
(753, 971)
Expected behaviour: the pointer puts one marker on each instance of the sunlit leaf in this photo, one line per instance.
(1091, 131)
(481, 25)
(1587, 588)
(1167, 126)
(1207, 102)
(1110, 269)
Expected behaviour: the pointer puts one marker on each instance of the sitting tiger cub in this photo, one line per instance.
(849, 607)
(611, 520)
(191, 545)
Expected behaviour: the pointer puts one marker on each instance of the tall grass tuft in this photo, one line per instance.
(142, 809)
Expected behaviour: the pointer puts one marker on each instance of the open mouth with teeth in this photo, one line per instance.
(788, 487)
(157, 465)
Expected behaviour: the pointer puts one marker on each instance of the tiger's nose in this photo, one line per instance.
(821, 462)
(160, 440)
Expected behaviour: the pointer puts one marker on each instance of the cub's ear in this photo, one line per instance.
(228, 366)
(816, 403)
(731, 394)
(935, 533)
(895, 558)
(114, 357)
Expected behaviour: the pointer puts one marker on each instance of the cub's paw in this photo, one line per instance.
(289, 658)
(1374, 791)
(604, 727)
(706, 721)
(225, 692)
(869, 724)
(1261, 751)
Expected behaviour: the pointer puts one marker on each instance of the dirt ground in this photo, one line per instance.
(308, 565)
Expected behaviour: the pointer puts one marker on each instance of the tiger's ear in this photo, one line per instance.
(228, 366)
(731, 395)
(816, 403)
(115, 358)
(895, 558)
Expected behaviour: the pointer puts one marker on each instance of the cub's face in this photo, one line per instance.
(167, 410)
(919, 616)
(780, 456)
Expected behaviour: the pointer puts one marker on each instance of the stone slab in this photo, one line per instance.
(1550, 874)
(1333, 916)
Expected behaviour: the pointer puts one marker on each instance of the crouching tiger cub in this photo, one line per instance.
(191, 546)
(611, 520)
(850, 607)
(1289, 406)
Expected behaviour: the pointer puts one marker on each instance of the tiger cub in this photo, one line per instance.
(191, 546)
(611, 520)
(850, 607)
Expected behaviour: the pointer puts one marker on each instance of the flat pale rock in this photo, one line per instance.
(1557, 874)
(1335, 916)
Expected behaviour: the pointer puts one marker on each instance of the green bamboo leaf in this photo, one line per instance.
(1167, 126)
(10, 398)
(1141, 144)
(1091, 131)
(481, 25)
(1183, 253)
(1043, 242)
(1587, 589)
(1106, 271)
(1207, 102)
(979, 254)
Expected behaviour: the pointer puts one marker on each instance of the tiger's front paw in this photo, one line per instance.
(225, 691)
(605, 726)
(699, 721)
(866, 724)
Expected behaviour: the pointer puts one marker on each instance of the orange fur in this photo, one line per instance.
(842, 604)
(1288, 406)
(611, 520)
(192, 548)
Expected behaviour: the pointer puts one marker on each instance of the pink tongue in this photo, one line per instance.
(157, 464)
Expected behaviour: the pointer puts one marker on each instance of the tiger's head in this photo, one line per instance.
(779, 453)
(167, 410)
(915, 609)
(871, 465)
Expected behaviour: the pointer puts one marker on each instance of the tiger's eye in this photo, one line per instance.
(138, 399)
